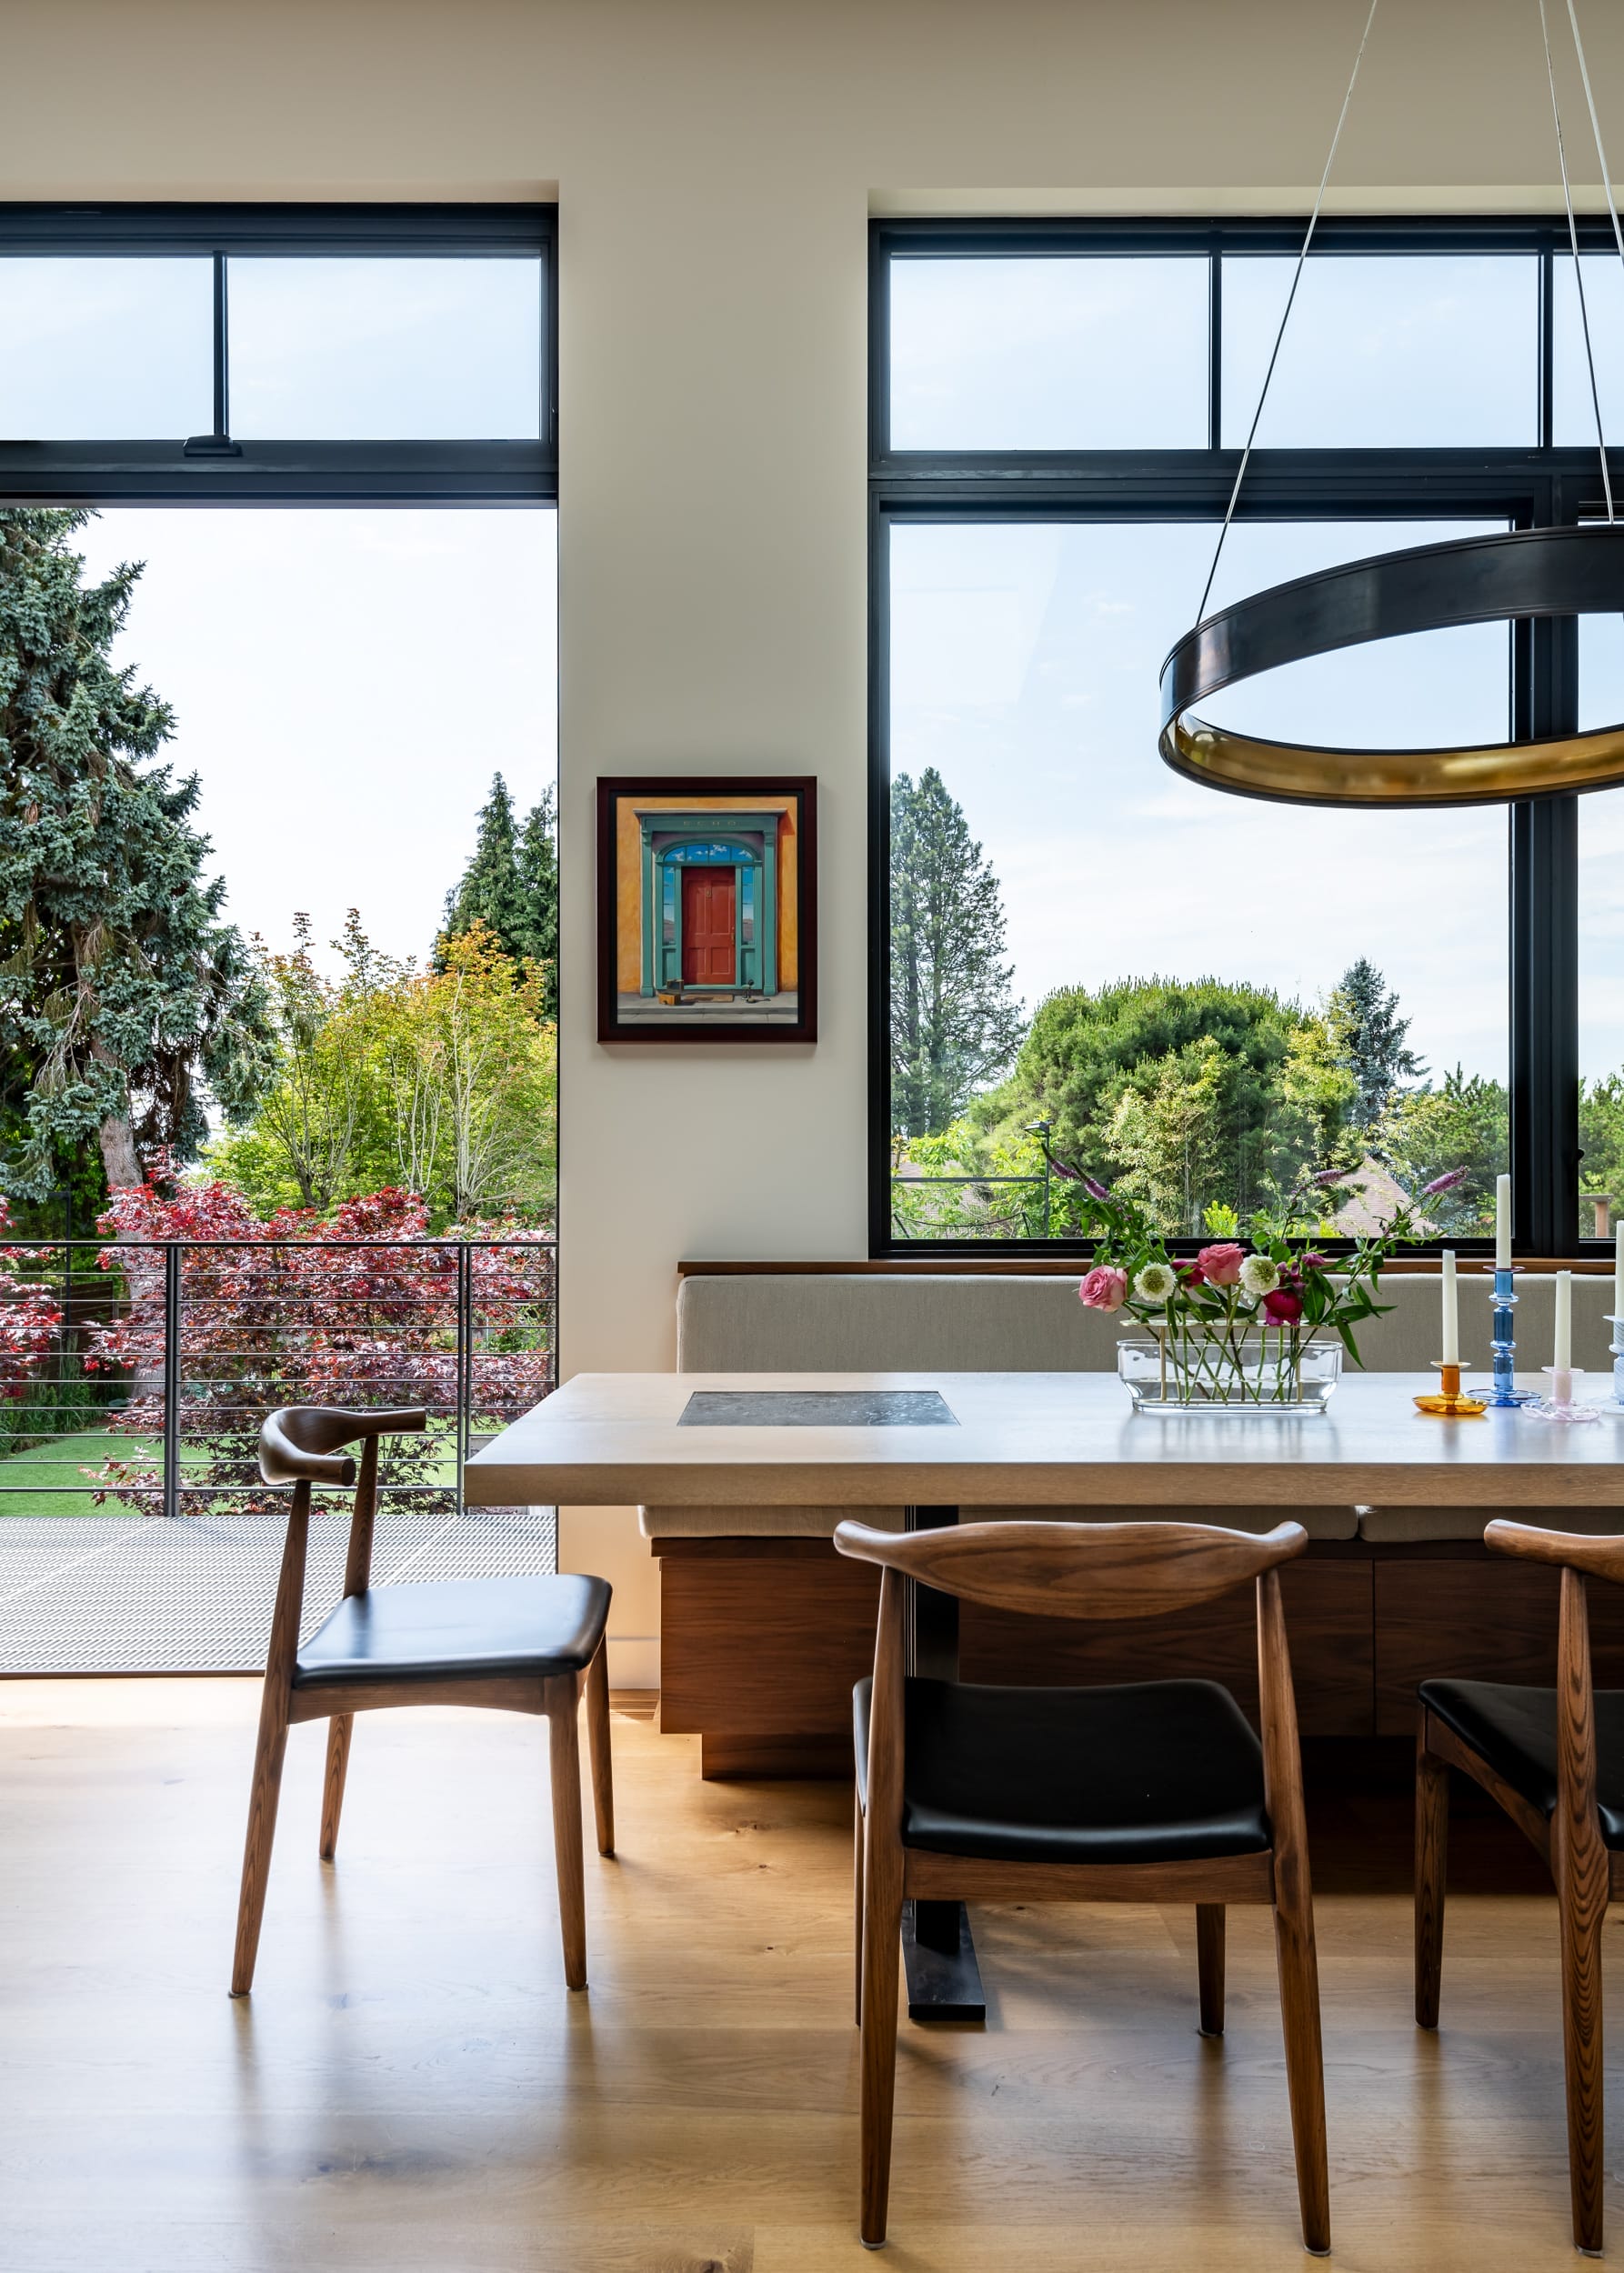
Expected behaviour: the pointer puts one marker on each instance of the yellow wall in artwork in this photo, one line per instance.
(628, 881)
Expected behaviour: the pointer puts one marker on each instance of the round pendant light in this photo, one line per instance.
(1517, 576)
(1469, 580)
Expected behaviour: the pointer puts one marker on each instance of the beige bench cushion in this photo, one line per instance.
(1401, 1527)
(855, 1322)
(818, 1523)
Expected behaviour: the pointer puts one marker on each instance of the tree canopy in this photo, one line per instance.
(1205, 1084)
(440, 1083)
(122, 990)
(511, 885)
(954, 1021)
(1368, 1037)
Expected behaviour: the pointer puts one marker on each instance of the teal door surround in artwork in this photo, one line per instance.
(748, 843)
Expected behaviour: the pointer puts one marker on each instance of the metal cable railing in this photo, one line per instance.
(134, 1374)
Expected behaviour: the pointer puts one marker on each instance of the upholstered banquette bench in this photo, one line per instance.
(764, 1628)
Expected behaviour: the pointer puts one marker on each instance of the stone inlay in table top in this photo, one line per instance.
(817, 1408)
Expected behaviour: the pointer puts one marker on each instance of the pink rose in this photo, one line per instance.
(1190, 1273)
(1220, 1265)
(1283, 1306)
(1103, 1288)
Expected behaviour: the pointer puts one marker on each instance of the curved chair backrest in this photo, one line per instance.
(1596, 1557)
(301, 1444)
(1078, 1570)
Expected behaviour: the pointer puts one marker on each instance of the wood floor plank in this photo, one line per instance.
(412, 2089)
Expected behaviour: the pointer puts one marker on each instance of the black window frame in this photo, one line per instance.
(219, 469)
(1532, 484)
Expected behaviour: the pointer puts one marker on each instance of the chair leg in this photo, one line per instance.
(598, 1739)
(268, 1754)
(856, 1875)
(1432, 1862)
(339, 1729)
(1209, 1966)
(1305, 2066)
(882, 1958)
(1581, 1924)
(563, 1702)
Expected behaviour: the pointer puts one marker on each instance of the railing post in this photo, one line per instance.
(172, 1382)
(464, 1359)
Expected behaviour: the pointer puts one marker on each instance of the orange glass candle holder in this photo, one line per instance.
(1448, 1403)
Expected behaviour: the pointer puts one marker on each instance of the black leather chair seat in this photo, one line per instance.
(470, 1626)
(1157, 1771)
(1514, 1729)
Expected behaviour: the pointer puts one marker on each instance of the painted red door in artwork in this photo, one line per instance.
(707, 927)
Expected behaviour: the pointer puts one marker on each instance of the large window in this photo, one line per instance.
(1085, 963)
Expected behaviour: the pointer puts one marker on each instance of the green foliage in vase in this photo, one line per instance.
(124, 996)
(1206, 1306)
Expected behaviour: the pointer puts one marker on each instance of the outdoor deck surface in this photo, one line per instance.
(129, 1593)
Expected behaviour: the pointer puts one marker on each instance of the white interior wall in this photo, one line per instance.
(717, 161)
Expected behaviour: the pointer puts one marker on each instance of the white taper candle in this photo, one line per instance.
(1450, 1352)
(1502, 1223)
(1562, 1353)
(1618, 1271)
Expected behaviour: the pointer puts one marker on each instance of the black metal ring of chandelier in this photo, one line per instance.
(1522, 573)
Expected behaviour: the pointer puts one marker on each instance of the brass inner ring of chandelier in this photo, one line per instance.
(1521, 574)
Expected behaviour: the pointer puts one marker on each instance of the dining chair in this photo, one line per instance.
(1553, 1759)
(1155, 1792)
(525, 1645)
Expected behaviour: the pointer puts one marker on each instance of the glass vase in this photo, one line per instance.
(1210, 1370)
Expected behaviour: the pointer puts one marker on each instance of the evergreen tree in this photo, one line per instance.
(120, 991)
(537, 863)
(1367, 1035)
(511, 885)
(955, 1023)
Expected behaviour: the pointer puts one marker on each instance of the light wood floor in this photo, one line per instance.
(412, 2087)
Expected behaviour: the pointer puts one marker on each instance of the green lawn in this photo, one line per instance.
(27, 1478)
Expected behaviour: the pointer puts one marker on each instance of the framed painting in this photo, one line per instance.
(707, 908)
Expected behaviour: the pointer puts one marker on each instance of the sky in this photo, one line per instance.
(1026, 657)
(345, 685)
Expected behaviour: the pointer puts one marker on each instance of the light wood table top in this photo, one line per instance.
(1056, 1439)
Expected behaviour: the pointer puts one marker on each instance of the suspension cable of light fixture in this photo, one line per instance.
(1296, 277)
(1579, 275)
(1567, 570)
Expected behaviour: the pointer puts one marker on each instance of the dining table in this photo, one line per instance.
(939, 1445)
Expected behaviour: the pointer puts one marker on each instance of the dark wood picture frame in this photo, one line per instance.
(750, 904)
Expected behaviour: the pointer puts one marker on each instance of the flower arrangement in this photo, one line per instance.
(1233, 1323)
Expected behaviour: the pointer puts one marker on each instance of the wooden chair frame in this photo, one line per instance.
(1586, 1873)
(302, 1444)
(1087, 1570)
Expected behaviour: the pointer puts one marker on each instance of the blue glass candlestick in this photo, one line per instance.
(1503, 1343)
(1617, 1347)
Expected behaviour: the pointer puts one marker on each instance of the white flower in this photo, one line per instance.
(1258, 1276)
(1156, 1282)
